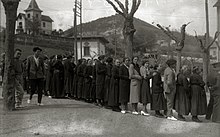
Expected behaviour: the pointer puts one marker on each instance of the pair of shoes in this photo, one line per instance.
(28, 101)
(172, 118)
(159, 115)
(196, 120)
(180, 117)
(49, 96)
(144, 113)
(123, 111)
(18, 106)
(40, 104)
(135, 113)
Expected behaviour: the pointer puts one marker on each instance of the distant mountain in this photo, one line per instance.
(146, 35)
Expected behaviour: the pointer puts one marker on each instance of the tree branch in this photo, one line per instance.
(216, 36)
(135, 6)
(126, 6)
(200, 41)
(217, 44)
(115, 8)
(121, 6)
(168, 33)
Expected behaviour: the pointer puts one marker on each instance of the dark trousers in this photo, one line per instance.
(37, 85)
(210, 107)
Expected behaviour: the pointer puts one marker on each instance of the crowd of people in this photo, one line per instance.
(115, 83)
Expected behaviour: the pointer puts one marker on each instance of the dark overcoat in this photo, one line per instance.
(158, 99)
(100, 79)
(107, 81)
(68, 76)
(58, 80)
(87, 91)
(124, 84)
(182, 102)
(80, 84)
(113, 99)
(198, 95)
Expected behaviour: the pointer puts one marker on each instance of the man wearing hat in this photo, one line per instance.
(170, 87)
(36, 74)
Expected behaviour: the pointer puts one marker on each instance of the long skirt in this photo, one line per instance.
(181, 103)
(198, 101)
(158, 101)
(145, 95)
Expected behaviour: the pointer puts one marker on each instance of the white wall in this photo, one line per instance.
(47, 28)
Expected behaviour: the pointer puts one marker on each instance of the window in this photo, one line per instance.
(36, 15)
(86, 51)
(44, 24)
(20, 23)
(214, 53)
(29, 15)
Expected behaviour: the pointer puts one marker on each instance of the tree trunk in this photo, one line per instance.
(129, 45)
(178, 64)
(205, 66)
(128, 33)
(9, 77)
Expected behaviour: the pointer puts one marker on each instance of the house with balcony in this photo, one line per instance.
(32, 21)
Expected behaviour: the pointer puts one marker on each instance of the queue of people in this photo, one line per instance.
(113, 84)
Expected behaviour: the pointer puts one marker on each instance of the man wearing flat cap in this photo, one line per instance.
(36, 74)
(170, 86)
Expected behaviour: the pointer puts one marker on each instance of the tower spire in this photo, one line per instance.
(33, 6)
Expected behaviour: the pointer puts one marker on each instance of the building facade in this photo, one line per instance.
(32, 21)
(217, 5)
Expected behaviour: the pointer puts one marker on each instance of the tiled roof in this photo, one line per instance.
(217, 4)
(46, 18)
(33, 6)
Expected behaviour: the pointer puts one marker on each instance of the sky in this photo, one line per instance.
(164, 12)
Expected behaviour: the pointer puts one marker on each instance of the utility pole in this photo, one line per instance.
(115, 37)
(77, 13)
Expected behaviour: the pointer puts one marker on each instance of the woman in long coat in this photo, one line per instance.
(145, 95)
(109, 62)
(93, 88)
(100, 80)
(198, 95)
(158, 100)
(124, 85)
(182, 103)
(134, 75)
(58, 78)
(75, 80)
(80, 75)
(113, 99)
(88, 81)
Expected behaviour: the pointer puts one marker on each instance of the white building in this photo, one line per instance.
(217, 4)
(92, 46)
(33, 20)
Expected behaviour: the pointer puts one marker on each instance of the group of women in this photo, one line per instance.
(113, 84)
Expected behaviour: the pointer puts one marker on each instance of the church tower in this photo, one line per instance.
(33, 11)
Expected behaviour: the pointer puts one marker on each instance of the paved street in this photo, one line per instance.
(68, 118)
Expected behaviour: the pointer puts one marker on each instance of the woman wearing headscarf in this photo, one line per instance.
(124, 85)
(158, 100)
(182, 103)
(113, 100)
(145, 95)
(88, 81)
(134, 75)
(80, 76)
(198, 95)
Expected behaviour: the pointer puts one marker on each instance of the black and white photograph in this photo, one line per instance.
(109, 68)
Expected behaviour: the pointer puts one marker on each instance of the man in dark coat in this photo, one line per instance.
(68, 75)
(124, 85)
(75, 80)
(36, 74)
(100, 79)
(113, 99)
(87, 95)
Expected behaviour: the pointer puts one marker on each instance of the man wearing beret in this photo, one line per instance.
(36, 74)
(170, 87)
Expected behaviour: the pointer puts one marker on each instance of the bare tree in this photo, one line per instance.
(205, 47)
(128, 29)
(10, 7)
(179, 42)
